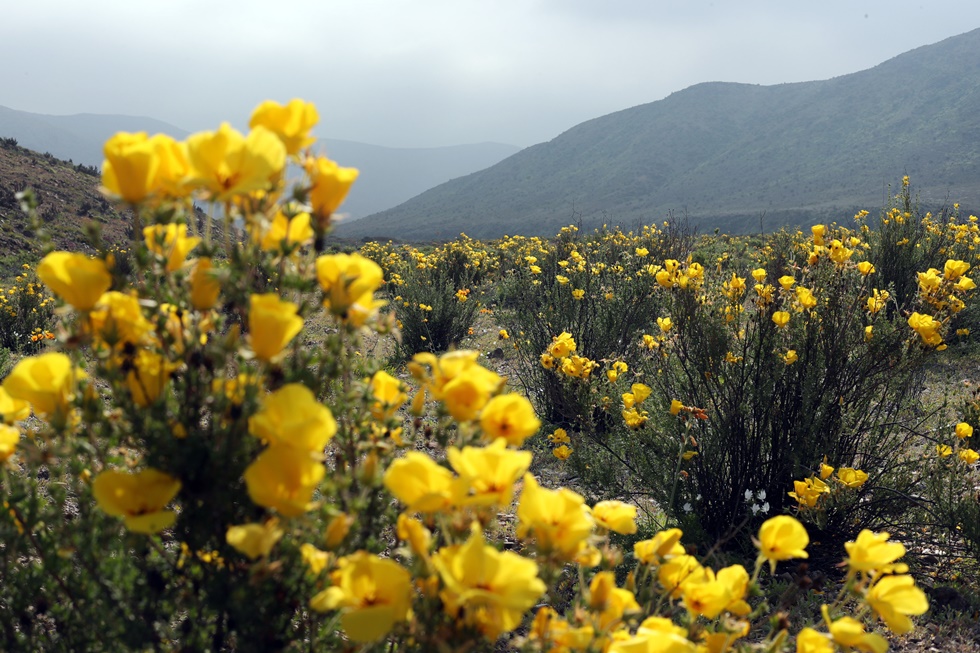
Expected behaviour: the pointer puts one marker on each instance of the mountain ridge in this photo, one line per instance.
(389, 175)
(725, 153)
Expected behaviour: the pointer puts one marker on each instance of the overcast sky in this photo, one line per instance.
(409, 73)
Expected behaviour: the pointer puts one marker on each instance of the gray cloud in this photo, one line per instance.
(436, 72)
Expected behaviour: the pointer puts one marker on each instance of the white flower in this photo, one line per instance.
(762, 495)
(688, 507)
(748, 495)
(765, 508)
(755, 509)
(698, 497)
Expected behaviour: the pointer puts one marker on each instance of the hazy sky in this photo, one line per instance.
(435, 72)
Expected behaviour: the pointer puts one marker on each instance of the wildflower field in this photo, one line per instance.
(234, 436)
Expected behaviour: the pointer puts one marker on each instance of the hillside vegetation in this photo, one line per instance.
(68, 198)
(725, 154)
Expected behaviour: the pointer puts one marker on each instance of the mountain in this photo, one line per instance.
(389, 176)
(724, 154)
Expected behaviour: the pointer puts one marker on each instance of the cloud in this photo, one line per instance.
(435, 72)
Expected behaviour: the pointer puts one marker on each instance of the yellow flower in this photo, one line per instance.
(866, 268)
(953, 269)
(287, 231)
(825, 469)
(963, 430)
(609, 602)
(665, 544)
(679, 571)
(969, 456)
(805, 297)
(171, 242)
(818, 231)
(791, 357)
(45, 381)
(205, 288)
(927, 328)
(943, 450)
(665, 278)
(562, 452)
(76, 278)
(929, 281)
(578, 294)
(337, 530)
(548, 626)
(284, 478)
(466, 394)
(13, 410)
(655, 635)
(348, 280)
(291, 416)
(254, 540)
(372, 593)
(225, 164)
(9, 438)
(838, 253)
(315, 559)
(786, 282)
(291, 123)
(808, 492)
(642, 251)
(873, 552)
(578, 367)
(388, 394)
(118, 319)
(759, 274)
(511, 417)
(615, 516)
(676, 407)
(558, 520)
(148, 377)
(562, 345)
(635, 418)
(780, 318)
(893, 598)
(965, 284)
(420, 483)
(868, 333)
(810, 641)
(419, 537)
(272, 324)
(849, 633)
(487, 474)
(130, 167)
(492, 588)
(665, 324)
(138, 498)
(173, 167)
(707, 595)
(331, 183)
(560, 436)
(782, 538)
(852, 478)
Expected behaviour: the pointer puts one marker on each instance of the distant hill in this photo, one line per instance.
(725, 154)
(68, 200)
(389, 176)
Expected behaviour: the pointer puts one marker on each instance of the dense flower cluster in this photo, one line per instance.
(257, 478)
